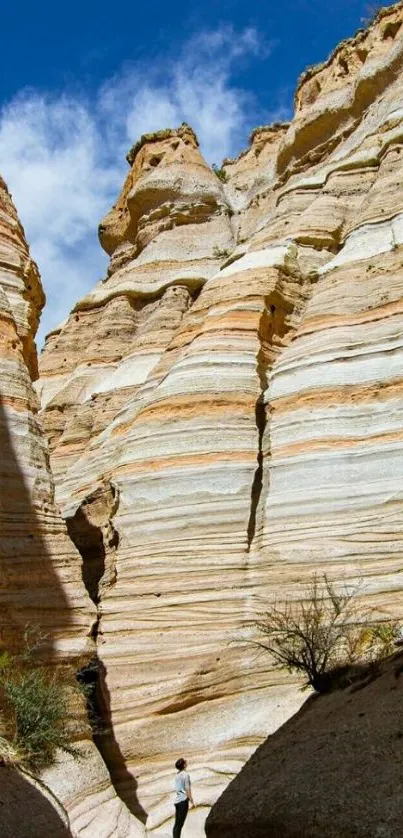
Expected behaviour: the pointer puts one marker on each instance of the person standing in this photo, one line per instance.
(183, 796)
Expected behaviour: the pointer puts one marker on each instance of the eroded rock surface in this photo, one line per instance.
(237, 379)
(41, 577)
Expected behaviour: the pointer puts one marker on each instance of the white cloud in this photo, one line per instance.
(63, 156)
(52, 158)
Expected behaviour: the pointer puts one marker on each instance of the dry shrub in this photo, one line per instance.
(323, 633)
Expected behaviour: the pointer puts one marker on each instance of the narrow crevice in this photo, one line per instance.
(87, 678)
(92, 680)
(195, 294)
(260, 415)
(89, 542)
(271, 321)
(277, 318)
(92, 531)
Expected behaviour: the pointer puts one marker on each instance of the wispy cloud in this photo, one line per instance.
(63, 155)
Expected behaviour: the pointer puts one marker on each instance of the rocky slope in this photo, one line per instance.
(41, 580)
(224, 412)
(335, 769)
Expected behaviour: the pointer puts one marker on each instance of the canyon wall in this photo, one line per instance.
(41, 575)
(224, 413)
(41, 579)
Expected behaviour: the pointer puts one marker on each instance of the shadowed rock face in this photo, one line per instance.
(27, 810)
(40, 570)
(334, 769)
(237, 378)
(40, 578)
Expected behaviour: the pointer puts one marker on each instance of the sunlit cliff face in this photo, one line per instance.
(236, 379)
(20, 279)
(169, 185)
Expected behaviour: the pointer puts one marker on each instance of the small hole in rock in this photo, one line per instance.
(391, 30)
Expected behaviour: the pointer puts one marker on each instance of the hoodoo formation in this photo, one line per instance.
(224, 415)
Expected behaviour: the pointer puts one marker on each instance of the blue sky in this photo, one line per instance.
(82, 80)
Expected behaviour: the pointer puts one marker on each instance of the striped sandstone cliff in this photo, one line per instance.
(41, 581)
(225, 412)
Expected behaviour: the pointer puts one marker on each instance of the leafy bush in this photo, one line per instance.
(220, 172)
(322, 633)
(34, 710)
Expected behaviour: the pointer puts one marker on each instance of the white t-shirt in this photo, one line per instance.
(182, 785)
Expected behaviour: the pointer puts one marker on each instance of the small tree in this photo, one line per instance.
(322, 633)
(220, 172)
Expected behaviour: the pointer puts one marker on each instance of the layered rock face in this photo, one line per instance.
(41, 579)
(224, 413)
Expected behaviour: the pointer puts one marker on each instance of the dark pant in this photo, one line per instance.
(181, 810)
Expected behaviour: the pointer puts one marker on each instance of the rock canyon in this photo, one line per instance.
(224, 416)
